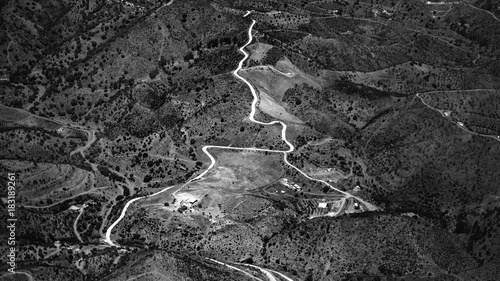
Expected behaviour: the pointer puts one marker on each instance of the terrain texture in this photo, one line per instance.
(251, 140)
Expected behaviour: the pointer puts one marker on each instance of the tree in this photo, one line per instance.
(147, 178)
(154, 73)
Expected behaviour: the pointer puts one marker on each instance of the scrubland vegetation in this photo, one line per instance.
(105, 101)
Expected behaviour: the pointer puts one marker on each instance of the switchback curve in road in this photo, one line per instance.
(212, 159)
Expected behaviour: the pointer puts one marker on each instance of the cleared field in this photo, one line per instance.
(269, 106)
(243, 170)
(272, 83)
(276, 82)
(258, 51)
(225, 187)
(326, 174)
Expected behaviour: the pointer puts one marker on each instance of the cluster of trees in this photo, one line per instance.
(105, 171)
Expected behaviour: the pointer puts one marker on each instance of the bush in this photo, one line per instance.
(147, 178)
(154, 73)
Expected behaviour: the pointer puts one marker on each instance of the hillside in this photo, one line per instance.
(251, 140)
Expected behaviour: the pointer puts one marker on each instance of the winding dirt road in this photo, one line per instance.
(213, 161)
(90, 140)
(283, 131)
(446, 113)
(268, 273)
(75, 224)
(8, 276)
(124, 212)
